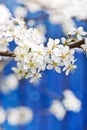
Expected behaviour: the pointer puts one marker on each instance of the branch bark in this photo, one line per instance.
(7, 54)
(72, 45)
(77, 44)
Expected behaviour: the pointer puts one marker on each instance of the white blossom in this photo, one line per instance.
(35, 77)
(84, 46)
(69, 67)
(9, 83)
(67, 41)
(53, 43)
(79, 33)
(2, 115)
(57, 109)
(19, 116)
(4, 14)
(54, 65)
(19, 70)
(20, 11)
(71, 102)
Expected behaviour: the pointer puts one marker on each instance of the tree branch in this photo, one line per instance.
(77, 44)
(7, 54)
(72, 45)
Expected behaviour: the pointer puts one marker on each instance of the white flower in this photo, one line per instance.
(35, 36)
(40, 50)
(31, 23)
(67, 41)
(20, 11)
(57, 109)
(19, 70)
(54, 65)
(64, 53)
(79, 33)
(61, 50)
(19, 35)
(2, 115)
(53, 43)
(20, 53)
(9, 83)
(4, 14)
(69, 67)
(19, 116)
(28, 37)
(34, 77)
(70, 101)
(84, 46)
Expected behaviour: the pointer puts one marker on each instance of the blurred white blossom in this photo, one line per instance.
(9, 83)
(84, 46)
(57, 109)
(71, 102)
(60, 12)
(20, 11)
(2, 115)
(31, 23)
(19, 116)
(4, 14)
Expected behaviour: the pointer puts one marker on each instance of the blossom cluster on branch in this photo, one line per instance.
(31, 55)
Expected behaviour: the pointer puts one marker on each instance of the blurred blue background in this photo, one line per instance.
(51, 87)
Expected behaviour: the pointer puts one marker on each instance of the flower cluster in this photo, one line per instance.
(5, 16)
(19, 116)
(10, 27)
(31, 55)
(13, 29)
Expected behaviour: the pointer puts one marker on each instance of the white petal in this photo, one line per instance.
(49, 67)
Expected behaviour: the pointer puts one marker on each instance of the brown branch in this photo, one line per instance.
(77, 44)
(7, 54)
(72, 45)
